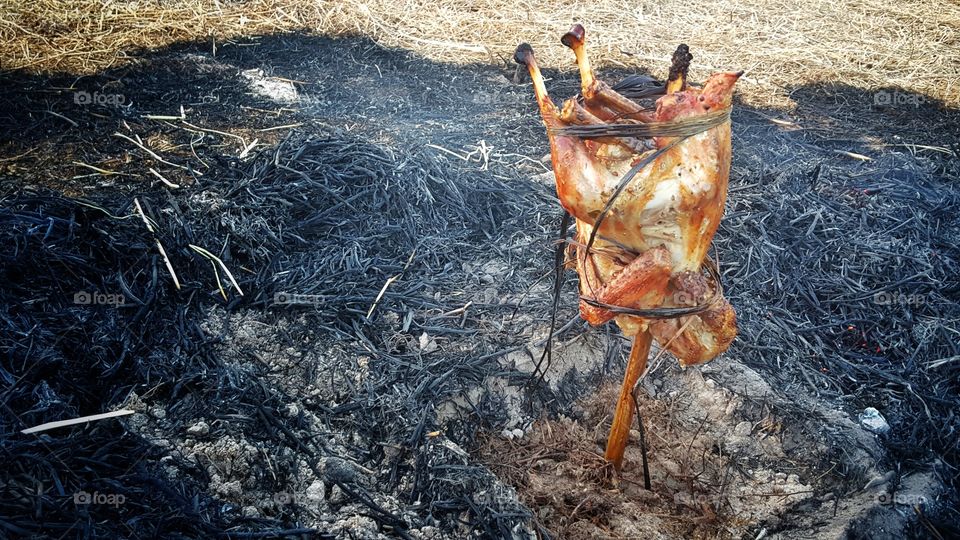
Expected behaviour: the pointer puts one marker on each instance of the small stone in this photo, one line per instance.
(337, 496)
(199, 429)
(338, 470)
(427, 343)
(743, 429)
(158, 413)
(230, 490)
(518, 433)
(873, 421)
(316, 492)
(430, 533)
(250, 512)
(134, 403)
(391, 452)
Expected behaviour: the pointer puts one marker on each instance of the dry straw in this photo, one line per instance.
(912, 45)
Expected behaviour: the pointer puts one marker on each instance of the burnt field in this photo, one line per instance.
(319, 273)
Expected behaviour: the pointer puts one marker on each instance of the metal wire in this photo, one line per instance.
(688, 129)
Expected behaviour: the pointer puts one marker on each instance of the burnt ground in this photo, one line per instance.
(288, 411)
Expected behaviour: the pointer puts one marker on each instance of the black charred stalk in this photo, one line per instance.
(640, 87)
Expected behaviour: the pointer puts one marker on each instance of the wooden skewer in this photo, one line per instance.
(623, 417)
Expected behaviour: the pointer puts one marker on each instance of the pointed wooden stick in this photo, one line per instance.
(623, 417)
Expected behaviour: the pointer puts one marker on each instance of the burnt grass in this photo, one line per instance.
(844, 272)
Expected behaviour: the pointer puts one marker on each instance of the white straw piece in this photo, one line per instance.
(166, 182)
(226, 270)
(74, 421)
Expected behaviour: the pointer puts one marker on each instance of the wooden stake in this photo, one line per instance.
(623, 418)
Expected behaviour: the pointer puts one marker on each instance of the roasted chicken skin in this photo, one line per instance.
(653, 239)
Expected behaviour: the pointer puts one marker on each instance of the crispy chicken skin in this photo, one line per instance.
(652, 242)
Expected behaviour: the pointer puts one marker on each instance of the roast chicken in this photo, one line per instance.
(647, 187)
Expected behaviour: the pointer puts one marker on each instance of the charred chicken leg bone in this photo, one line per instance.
(644, 218)
(598, 95)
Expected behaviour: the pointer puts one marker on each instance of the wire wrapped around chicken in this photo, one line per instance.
(655, 229)
(646, 186)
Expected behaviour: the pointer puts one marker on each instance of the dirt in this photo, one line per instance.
(728, 457)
